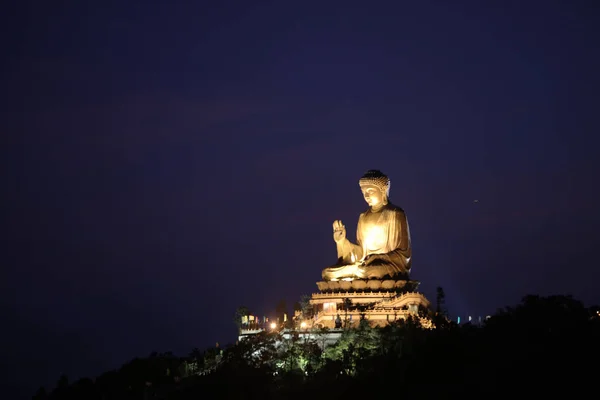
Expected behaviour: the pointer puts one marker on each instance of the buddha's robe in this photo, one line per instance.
(383, 247)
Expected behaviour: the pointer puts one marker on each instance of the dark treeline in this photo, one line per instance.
(544, 346)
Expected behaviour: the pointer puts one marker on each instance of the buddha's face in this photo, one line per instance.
(372, 195)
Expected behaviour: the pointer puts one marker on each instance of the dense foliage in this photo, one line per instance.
(543, 346)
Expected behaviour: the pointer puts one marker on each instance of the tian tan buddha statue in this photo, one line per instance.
(382, 246)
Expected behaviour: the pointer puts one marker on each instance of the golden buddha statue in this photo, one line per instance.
(382, 246)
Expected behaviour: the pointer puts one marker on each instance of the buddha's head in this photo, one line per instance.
(375, 187)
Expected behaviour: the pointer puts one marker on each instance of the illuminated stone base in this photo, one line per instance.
(368, 285)
(337, 310)
(379, 308)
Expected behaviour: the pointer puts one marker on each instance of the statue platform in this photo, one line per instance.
(336, 309)
(368, 285)
(344, 303)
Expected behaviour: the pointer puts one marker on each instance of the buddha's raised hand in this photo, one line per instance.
(339, 231)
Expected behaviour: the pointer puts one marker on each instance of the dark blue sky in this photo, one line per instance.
(165, 163)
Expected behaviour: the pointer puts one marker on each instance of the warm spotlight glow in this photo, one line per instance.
(273, 325)
(375, 237)
(303, 325)
(352, 258)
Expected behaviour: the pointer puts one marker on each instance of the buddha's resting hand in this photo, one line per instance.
(339, 231)
(371, 258)
(360, 271)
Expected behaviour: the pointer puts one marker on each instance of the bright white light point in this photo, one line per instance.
(273, 325)
(303, 325)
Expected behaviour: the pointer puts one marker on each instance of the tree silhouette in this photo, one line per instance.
(41, 394)
(306, 307)
(440, 301)
(541, 347)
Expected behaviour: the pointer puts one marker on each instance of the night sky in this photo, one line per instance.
(166, 162)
